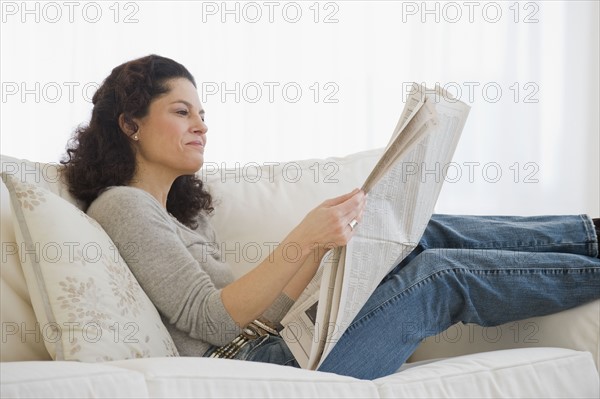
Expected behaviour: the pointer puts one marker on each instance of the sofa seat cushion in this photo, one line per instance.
(64, 379)
(187, 377)
(515, 373)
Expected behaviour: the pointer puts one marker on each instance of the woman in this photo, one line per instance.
(134, 166)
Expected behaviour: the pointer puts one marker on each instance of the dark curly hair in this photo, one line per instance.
(101, 155)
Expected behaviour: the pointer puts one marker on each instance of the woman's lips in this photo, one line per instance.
(196, 144)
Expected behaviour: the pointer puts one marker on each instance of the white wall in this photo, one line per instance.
(541, 132)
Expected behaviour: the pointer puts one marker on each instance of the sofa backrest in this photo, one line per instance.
(256, 205)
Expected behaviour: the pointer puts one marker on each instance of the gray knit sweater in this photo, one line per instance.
(179, 269)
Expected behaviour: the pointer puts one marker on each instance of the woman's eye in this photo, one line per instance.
(182, 112)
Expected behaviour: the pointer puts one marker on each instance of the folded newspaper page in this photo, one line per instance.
(403, 188)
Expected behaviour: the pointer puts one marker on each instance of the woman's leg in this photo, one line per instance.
(573, 234)
(440, 287)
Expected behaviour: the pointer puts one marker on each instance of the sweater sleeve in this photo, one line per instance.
(176, 282)
(282, 303)
(279, 308)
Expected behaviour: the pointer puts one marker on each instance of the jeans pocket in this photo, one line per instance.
(251, 349)
(268, 349)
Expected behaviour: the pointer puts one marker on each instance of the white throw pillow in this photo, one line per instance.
(88, 304)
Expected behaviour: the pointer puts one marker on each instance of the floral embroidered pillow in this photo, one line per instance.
(88, 304)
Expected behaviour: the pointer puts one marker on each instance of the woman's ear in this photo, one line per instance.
(127, 125)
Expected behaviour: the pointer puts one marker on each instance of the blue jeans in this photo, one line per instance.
(487, 270)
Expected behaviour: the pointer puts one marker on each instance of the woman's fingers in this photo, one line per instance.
(344, 213)
(329, 223)
(341, 199)
(353, 207)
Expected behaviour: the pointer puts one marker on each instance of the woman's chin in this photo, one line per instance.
(198, 161)
(193, 167)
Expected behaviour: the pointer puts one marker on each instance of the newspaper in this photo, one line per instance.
(402, 188)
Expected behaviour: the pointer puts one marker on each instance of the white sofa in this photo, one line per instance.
(552, 356)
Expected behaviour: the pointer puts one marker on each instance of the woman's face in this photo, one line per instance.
(172, 136)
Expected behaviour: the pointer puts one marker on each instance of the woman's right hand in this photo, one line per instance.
(328, 225)
(321, 229)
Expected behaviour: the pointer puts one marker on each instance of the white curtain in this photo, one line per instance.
(291, 80)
